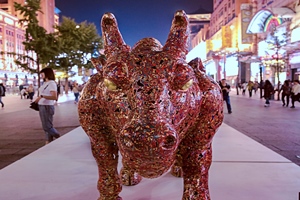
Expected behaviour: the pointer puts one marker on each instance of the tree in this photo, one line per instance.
(77, 42)
(278, 66)
(39, 45)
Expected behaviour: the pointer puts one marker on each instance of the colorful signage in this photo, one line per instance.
(226, 37)
(246, 15)
(271, 23)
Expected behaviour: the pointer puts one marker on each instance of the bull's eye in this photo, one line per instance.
(110, 85)
(187, 85)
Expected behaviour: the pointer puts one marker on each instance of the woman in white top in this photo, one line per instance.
(295, 93)
(47, 96)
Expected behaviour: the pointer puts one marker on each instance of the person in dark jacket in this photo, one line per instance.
(286, 92)
(268, 92)
(2, 93)
(225, 90)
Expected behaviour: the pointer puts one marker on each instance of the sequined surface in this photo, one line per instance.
(157, 110)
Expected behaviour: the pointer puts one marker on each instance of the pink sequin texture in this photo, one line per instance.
(153, 107)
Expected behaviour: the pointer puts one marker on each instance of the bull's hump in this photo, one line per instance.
(147, 45)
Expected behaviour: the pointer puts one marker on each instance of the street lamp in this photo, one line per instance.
(261, 80)
(224, 57)
(238, 74)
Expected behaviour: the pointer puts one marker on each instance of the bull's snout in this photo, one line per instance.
(148, 140)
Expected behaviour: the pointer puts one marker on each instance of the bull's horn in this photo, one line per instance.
(113, 40)
(177, 42)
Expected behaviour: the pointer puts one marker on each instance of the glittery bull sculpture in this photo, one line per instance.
(153, 107)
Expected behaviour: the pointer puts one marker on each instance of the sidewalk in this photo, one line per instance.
(276, 127)
(21, 131)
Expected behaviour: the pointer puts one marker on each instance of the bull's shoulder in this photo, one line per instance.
(206, 83)
(211, 111)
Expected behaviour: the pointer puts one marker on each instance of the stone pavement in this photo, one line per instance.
(276, 127)
(20, 127)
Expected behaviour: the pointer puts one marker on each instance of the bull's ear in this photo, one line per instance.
(113, 40)
(99, 62)
(197, 65)
(177, 42)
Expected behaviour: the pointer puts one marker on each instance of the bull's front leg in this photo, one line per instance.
(104, 148)
(195, 167)
(196, 148)
(105, 152)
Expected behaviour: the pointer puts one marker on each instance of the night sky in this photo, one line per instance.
(137, 19)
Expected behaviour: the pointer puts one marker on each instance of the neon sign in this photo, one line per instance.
(272, 22)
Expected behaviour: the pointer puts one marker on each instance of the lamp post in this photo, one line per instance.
(261, 80)
(277, 71)
(238, 74)
(224, 57)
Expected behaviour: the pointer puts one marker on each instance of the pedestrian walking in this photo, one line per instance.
(2, 93)
(21, 87)
(24, 93)
(58, 93)
(76, 92)
(250, 88)
(286, 92)
(244, 87)
(30, 91)
(295, 92)
(225, 90)
(48, 94)
(255, 86)
(268, 92)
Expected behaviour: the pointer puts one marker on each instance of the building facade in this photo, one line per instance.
(245, 36)
(226, 41)
(199, 26)
(46, 17)
(12, 37)
(271, 25)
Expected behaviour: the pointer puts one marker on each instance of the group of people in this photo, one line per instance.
(290, 90)
(250, 86)
(27, 92)
(46, 99)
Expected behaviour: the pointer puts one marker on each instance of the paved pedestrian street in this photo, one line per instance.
(20, 127)
(276, 127)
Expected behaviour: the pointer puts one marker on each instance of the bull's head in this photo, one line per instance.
(150, 95)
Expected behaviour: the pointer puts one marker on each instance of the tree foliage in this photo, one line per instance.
(37, 40)
(70, 45)
(77, 43)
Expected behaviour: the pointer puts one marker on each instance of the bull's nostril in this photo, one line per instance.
(169, 142)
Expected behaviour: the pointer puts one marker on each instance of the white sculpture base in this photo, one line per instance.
(242, 169)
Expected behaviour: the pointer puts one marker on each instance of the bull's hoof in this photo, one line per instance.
(109, 198)
(129, 178)
(176, 171)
